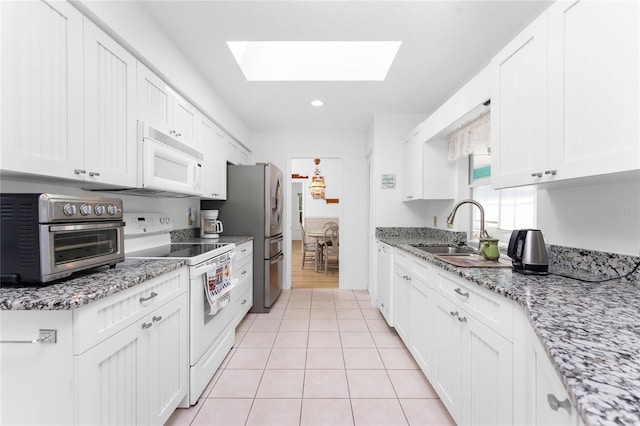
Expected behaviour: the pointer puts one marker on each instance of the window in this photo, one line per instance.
(504, 210)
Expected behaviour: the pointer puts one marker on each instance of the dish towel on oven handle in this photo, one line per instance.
(218, 284)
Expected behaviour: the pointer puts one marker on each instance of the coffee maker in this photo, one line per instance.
(210, 226)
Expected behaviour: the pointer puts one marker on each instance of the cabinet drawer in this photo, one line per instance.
(402, 259)
(243, 268)
(423, 272)
(95, 322)
(495, 311)
(243, 251)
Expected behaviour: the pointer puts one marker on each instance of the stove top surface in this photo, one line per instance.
(195, 252)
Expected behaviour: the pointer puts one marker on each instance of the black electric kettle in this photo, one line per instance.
(527, 252)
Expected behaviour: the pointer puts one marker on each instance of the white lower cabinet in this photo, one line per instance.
(120, 360)
(402, 297)
(423, 318)
(539, 396)
(384, 280)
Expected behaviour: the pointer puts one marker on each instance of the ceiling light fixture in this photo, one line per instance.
(317, 103)
(317, 186)
(314, 60)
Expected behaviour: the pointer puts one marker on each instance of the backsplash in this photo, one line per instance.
(188, 234)
(444, 237)
(592, 265)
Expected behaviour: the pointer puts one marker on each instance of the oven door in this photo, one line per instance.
(73, 247)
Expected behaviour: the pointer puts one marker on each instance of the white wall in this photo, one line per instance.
(134, 28)
(296, 231)
(177, 208)
(604, 217)
(349, 147)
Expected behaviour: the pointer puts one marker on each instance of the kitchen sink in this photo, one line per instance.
(446, 251)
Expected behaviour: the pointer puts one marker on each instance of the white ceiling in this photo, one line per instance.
(444, 44)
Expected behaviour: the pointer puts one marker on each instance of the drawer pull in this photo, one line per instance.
(157, 318)
(92, 174)
(454, 314)
(79, 171)
(537, 174)
(44, 336)
(550, 172)
(462, 319)
(243, 272)
(146, 299)
(243, 301)
(146, 325)
(457, 290)
(243, 250)
(555, 404)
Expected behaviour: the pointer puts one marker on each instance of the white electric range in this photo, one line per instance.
(147, 235)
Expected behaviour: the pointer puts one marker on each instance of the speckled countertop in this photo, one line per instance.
(86, 287)
(591, 331)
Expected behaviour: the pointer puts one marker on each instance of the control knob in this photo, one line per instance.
(85, 209)
(100, 210)
(112, 210)
(69, 209)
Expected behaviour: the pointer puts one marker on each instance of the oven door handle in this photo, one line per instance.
(277, 259)
(77, 227)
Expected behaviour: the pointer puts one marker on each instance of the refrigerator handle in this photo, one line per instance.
(277, 259)
(277, 239)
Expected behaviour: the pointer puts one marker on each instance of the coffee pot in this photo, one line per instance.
(210, 226)
(528, 252)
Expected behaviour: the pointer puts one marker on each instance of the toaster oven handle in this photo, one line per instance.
(78, 227)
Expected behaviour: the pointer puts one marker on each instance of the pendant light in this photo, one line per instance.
(317, 186)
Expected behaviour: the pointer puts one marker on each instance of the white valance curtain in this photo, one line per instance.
(472, 137)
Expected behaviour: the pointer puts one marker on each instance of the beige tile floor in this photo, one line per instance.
(320, 357)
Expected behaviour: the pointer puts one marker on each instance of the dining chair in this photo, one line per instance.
(309, 249)
(331, 246)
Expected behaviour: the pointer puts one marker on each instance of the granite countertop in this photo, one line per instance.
(223, 239)
(591, 331)
(86, 287)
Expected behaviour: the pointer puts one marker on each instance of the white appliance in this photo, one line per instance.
(168, 164)
(147, 235)
(210, 226)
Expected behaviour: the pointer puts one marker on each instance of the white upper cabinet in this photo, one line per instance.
(426, 172)
(594, 87)
(519, 109)
(566, 96)
(110, 114)
(41, 88)
(164, 109)
(212, 144)
(236, 153)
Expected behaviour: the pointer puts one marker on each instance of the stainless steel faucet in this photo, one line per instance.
(452, 215)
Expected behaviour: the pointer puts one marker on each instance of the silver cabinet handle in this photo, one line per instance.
(555, 404)
(462, 319)
(79, 171)
(243, 301)
(44, 336)
(178, 134)
(550, 172)
(244, 272)
(157, 318)
(146, 325)
(94, 174)
(537, 174)
(454, 314)
(146, 299)
(243, 250)
(457, 290)
(409, 197)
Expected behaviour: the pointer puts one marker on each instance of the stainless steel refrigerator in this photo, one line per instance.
(254, 207)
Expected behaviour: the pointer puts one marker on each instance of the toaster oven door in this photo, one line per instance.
(72, 247)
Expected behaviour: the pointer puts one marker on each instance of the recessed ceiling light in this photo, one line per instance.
(317, 103)
(314, 60)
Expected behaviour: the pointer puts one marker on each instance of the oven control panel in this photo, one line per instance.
(146, 223)
(54, 208)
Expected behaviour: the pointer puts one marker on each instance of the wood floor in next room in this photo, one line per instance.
(320, 357)
(307, 277)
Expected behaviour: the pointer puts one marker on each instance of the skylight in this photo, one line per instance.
(314, 60)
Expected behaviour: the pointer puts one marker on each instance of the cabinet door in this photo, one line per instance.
(594, 87)
(42, 109)
(384, 279)
(110, 380)
(211, 140)
(168, 359)
(447, 363)
(412, 164)
(424, 322)
(519, 109)
(154, 100)
(184, 121)
(402, 303)
(486, 375)
(110, 119)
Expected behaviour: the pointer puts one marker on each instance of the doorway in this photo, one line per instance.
(313, 215)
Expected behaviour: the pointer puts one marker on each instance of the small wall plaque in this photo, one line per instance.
(388, 181)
